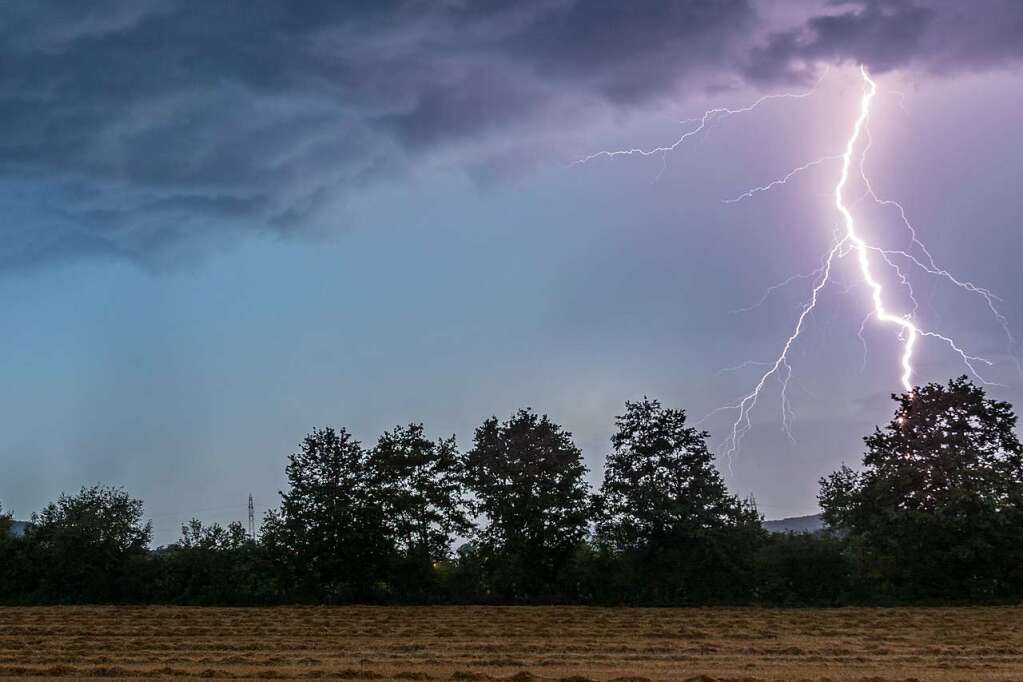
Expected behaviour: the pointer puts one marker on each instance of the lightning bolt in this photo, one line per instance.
(782, 181)
(908, 331)
(847, 241)
(928, 265)
(743, 422)
(702, 122)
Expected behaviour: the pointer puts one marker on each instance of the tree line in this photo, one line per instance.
(933, 515)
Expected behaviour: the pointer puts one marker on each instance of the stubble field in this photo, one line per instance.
(518, 643)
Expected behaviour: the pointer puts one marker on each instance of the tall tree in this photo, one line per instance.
(938, 505)
(6, 521)
(419, 484)
(328, 537)
(528, 480)
(664, 508)
(90, 544)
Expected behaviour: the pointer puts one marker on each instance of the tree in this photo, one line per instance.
(528, 480)
(938, 506)
(90, 546)
(194, 535)
(328, 538)
(6, 521)
(212, 565)
(419, 485)
(16, 570)
(664, 508)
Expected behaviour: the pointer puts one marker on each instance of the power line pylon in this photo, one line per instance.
(252, 518)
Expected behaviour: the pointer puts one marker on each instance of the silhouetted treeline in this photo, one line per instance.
(935, 514)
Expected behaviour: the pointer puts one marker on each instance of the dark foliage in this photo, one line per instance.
(665, 515)
(935, 515)
(87, 547)
(6, 523)
(937, 511)
(528, 480)
(213, 565)
(328, 542)
(804, 569)
(418, 483)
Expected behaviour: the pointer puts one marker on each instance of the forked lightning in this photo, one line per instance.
(849, 241)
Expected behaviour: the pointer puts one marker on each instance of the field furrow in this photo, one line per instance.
(468, 644)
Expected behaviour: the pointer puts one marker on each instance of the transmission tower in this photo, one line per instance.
(252, 519)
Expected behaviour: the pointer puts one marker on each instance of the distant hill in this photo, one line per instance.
(796, 524)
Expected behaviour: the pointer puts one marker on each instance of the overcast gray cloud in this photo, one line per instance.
(142, 129)
(938, 36)
(134, 127)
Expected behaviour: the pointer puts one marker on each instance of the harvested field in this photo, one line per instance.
(482, 643)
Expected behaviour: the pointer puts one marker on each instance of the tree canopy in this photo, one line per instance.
(935, 514)
(664, 506)
(529, 483)
(5, 523)
(660, 481)
(87, 543)
(418, 482)
(328, 536)
(938, 505)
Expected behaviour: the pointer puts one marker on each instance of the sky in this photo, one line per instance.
(226, 224)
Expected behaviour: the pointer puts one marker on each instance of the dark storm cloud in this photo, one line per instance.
(939, 36)
(131, 128)
(127, 126)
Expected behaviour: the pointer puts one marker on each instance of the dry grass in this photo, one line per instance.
(521, 644)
